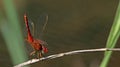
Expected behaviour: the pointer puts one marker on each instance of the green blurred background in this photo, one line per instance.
(72, 25)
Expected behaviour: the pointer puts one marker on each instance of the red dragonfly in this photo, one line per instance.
(38, 45)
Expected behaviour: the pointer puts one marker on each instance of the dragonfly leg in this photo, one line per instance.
(32, 53)
(39, 55)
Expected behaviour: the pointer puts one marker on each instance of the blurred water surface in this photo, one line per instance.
(72, 25)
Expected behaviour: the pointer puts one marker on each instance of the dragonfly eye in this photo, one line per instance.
(45, 50)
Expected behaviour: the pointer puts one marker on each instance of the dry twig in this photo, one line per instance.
(66, 53)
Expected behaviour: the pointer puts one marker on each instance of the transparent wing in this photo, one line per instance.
(45, 23)
(32, 27)
(41, 26)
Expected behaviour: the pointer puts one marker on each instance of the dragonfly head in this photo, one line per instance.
(45, 50)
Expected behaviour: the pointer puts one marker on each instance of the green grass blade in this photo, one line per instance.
(12, 34)
(113, 37)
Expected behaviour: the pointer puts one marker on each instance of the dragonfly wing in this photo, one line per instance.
(32, 27)
(43, 20)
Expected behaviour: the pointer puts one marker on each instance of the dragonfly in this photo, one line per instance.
(37, 44)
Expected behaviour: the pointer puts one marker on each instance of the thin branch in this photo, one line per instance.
(66, 53)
